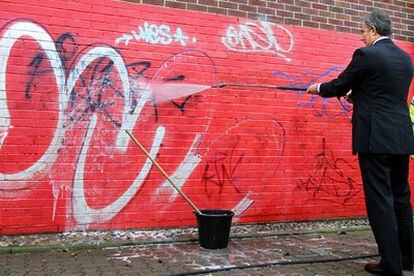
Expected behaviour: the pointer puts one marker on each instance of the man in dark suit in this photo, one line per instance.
(379, 76)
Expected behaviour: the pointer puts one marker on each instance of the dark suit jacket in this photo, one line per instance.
(379, 76)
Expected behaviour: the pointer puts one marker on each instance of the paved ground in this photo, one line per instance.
(265, 251)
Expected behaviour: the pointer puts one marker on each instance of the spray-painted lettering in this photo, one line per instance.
(154, 34)
(263, 37)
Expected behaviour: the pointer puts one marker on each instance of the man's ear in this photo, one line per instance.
(374, 30)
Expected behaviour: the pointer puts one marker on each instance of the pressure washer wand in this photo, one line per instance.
(292, 88)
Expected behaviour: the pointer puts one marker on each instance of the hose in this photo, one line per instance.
(277, 263)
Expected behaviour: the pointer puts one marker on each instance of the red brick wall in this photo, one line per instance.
(74, 75)
(337, 15)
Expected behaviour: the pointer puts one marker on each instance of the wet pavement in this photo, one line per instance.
(293, 249)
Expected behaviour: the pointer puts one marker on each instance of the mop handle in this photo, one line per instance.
(163, 172)
(292, 88)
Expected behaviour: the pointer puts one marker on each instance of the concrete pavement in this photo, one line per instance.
(266, 250)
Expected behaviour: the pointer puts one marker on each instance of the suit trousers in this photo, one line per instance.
(388, 203)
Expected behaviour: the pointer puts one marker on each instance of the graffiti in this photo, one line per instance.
(173, 67)
(158, 87)
(228, 171)
(330, 180)
(101, 79)
(37, 60)
(70, 85)
(3, 135)
(91, 93)
(153, 34)
(220, 171)
(263, 37)
(66, 47)
(82, 213)
(9, 37)
(321, 106)
(99, 63)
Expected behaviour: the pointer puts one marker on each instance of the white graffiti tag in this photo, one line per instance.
(153, 34)
(252, 37)
(82, 212)
(14, 32)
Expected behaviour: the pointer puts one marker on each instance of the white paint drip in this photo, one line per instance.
(55, 191)
(4, 132)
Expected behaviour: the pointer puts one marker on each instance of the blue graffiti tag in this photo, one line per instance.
(323, 109)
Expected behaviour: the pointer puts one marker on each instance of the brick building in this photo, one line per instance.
(194, 81)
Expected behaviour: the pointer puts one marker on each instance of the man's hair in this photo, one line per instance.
(381, 21)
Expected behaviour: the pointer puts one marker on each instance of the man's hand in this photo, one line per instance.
(348, 97)
(313, 89)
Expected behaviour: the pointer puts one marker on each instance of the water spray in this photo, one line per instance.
(172, 90)
(168, 91)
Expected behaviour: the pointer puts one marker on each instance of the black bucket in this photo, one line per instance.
(214, 228)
